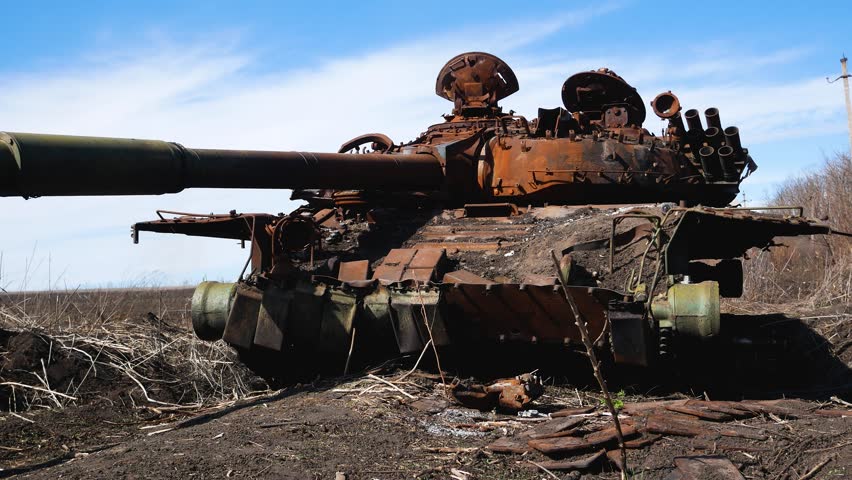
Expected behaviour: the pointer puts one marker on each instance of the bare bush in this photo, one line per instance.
(138, 339)
(816, 270)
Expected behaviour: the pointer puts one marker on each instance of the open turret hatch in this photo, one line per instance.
(475, 82)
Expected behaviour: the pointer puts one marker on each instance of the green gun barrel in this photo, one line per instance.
(60, 165)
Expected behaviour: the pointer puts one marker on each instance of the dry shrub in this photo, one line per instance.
(815, 270)
(136, 344)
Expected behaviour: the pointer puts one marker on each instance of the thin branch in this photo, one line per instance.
(392, 386)
(593, 359)
(40, 389)
(544, 469)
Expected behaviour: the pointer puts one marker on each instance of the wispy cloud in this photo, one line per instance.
(765, 108)
(206, 95)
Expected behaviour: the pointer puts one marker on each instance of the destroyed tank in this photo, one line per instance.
(447, 240)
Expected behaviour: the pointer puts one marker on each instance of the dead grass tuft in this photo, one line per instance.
(814, 271)
(107, 344)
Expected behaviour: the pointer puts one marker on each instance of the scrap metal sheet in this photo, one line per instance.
(530, 313)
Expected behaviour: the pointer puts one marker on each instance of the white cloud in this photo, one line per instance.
(202, 95)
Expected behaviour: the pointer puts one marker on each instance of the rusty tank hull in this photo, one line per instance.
(446, 240)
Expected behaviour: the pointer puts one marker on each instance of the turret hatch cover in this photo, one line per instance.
(476, 79)
(598, 90)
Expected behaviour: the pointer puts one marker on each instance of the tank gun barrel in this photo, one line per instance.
(61, 165)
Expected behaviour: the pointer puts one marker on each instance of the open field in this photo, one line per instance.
(113, 384)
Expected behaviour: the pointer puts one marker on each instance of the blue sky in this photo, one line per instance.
(310, 75)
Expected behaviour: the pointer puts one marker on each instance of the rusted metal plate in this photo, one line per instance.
(701, 228)
(410, 312)
(579, 170)
(703, 414)
(630, 334)
(570, 444)
(374, 322)
(532, 314)
(466, 232)
(272, 319)
(559, 445)
(463, 234)
(466, 246)
(422, 275)
(420, 265)
(647, 408)
(240, 329)
(707, 466)
(609, 434)
(721, 407)
(307, 306)
(399, 256)
(578, 464)
(668, 425)
(547, 429)
(353, 271)
(338, 317)
(478, 229)
(763, 408)
(643, 441)
(568, 412)
(236, 226)
(513, 444)
(326, 217)
(389, 273)
(427, 258)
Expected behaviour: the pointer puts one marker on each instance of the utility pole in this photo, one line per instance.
(844, 74)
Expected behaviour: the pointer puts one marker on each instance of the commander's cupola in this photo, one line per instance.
(475, 82)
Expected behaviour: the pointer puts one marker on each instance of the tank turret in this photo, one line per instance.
(594, 150)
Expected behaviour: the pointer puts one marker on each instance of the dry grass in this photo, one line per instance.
(815, 271)
(140, 337)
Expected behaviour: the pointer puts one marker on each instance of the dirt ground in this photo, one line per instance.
(365, 428)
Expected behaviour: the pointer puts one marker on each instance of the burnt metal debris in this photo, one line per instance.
(506, 393)
(411, 244)
(583, 438)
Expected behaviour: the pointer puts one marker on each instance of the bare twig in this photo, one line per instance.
(245, 403)
(590, 350)
(21, 417)
(417, 363)
(379, 379)
(349, 355)
(812, 472)
(40, 389)
(451, 449)
(431, 339)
